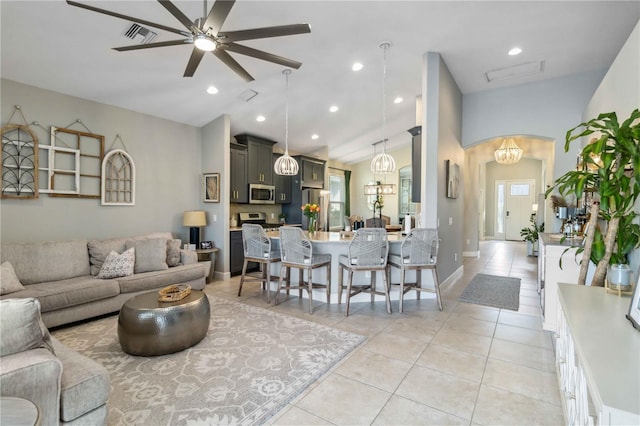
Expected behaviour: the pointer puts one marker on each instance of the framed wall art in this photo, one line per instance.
(211, 187)
(453, 179)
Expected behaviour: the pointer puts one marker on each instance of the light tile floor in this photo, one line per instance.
(466, 365)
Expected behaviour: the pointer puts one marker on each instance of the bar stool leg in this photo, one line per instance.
(350, 279)
(436, 283)
(329, 283)
(310, 289)
(387, 282)
(244, 271)
(402, 291)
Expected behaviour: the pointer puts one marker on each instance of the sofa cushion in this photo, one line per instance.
(173, 252)
(9, 282)
(100, 249)
(65, 293)
(156, 279)
(118, 265)
(151, 254)
(21, 327)
(84, 384)
(47, 261)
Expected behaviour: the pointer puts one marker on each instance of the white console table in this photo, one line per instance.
(550, 274)
(597, 357)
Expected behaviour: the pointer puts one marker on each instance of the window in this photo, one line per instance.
(336, 200)
(404, 198)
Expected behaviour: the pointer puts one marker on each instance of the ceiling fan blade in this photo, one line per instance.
(259, 54)
(194, 61)
(217, 15)
(231, 63)
(266, 32)
(177, 13)
(152, 45)
(127, 18)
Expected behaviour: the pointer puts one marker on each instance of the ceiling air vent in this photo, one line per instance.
(248, 94)
(520, 70)
(139, 33)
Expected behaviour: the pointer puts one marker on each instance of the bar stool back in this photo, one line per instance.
(257, 248)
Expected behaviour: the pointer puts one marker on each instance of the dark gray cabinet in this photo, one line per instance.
(312, 173)
(259, 152)
(238, 180)
(282, 184)
(236, 258)
(416, 148)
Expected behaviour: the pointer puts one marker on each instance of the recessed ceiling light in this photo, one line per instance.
(260, 118)
(515, 51)
(212, 90)
(333, 108)
(314, 136)
(357, 66)
(398, 100)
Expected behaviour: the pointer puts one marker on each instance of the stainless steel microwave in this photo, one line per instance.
(262, 194)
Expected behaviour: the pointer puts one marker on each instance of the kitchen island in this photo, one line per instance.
(336, 244)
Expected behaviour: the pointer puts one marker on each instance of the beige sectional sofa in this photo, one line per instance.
(62, 275)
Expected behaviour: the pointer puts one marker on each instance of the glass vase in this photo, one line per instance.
(312, 225)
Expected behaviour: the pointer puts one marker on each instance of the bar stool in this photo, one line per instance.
(368, 251)
(257, 248)
(419, 251)
(297, 253)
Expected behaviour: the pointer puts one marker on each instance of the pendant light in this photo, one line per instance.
(508, 153)
(384, 163)
(286, 165)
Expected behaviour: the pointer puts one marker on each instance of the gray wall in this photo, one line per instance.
(441, 141)
(166, 155)
(545, 110)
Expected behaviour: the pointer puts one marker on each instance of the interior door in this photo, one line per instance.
(519, 199)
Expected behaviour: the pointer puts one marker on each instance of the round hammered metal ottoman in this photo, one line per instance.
(147, 327)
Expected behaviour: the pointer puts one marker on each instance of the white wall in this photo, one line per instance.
(619, 91)
(216, 159)
(167, 158)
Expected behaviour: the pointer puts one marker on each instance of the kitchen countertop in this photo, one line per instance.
(338, 237)
(556, 240)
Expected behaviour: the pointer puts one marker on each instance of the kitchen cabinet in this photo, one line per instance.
(259, 152)
(282, 184)
(416, 163)
(236, 257)
(238, 176)
(312, 173)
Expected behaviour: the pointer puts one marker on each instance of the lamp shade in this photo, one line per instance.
(380, 189)
(194, 218)
(508, 153)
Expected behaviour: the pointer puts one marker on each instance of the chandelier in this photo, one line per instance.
(508, 153)
(383, 163)
(286, 165)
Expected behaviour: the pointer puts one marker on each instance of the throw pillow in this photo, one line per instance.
(9, 281)
(173, 252)
(100, 249)
(118, 265)
(21, 327)
(151, 254)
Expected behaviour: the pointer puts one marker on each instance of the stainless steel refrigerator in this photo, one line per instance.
(321, 198)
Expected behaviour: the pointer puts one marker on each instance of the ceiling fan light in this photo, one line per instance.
(508, 153)
(204, 42)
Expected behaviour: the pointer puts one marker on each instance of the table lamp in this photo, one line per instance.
(194, 219)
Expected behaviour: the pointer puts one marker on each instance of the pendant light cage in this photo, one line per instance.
(384, 163)
(508, 153)
(286, 165)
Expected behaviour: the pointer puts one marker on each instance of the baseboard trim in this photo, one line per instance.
(451, 278)
(471, 253)
(222, 276)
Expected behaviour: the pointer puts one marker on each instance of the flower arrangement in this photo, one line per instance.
(311, 211)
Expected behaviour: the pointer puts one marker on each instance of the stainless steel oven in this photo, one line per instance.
(262, 194)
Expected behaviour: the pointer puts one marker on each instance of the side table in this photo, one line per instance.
(208, 255)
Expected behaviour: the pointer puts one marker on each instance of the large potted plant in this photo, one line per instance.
(611, 162)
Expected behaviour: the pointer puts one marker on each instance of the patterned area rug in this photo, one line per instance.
(492, 290)
(249, 366)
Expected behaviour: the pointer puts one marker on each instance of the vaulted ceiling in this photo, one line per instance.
(53, 45)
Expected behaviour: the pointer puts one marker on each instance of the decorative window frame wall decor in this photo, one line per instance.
(91, 148)
(49, 169)
(19, 159)
(118, 179)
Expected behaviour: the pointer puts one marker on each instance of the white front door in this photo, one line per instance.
(519, 201)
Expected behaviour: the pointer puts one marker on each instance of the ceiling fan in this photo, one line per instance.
(207, 36)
